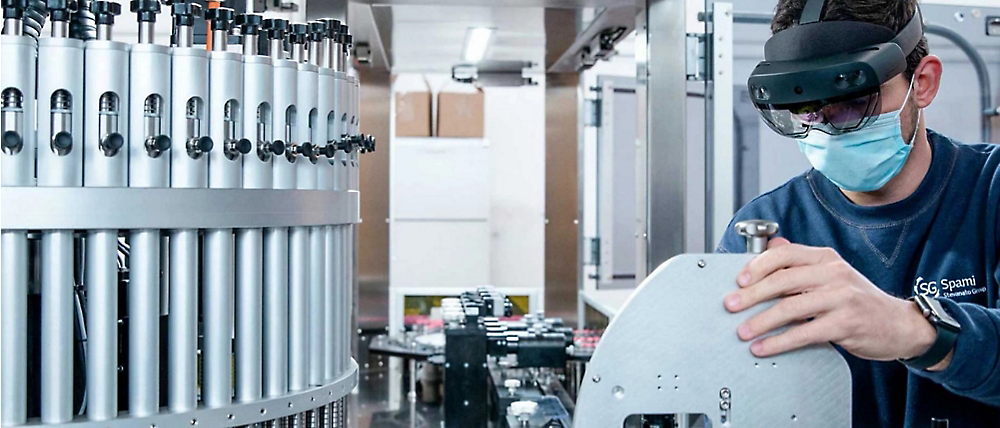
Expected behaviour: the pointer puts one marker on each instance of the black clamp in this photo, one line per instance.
(249, 23)
(14, 9)
(105, 12)
(185, 13)
(60, 10)
(221, 18)
(145, 10)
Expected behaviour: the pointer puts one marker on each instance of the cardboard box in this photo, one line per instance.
(413, 114)
(460, 115)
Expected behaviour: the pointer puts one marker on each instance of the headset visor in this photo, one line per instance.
(836, 116)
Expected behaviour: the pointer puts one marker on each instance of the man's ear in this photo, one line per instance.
(926, 80)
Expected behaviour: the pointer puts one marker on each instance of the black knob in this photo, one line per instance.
(185, 13)
(344, 29)
(244, 146)
(278, 147)
(275, 28)
(60, 10)
(161, 143)
(105, 11)
(345, 145)
(306, 149)
(113, 142)
(249, 23)
(369, 143)
(62, 141)
(348, 39)
(221, 18)
(332, 27)
(145, 10)
(329, 150)
(12, 141)
(14, 9)
(205, 144)
(317, 29)
(298, 33)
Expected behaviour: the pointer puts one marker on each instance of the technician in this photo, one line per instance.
(890, 245)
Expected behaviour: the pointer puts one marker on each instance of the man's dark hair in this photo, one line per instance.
(892, 14)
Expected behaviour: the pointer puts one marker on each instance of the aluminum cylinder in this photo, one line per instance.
(14, 328)
(258, 98)
(298, 309)
(57, 327)
(106, 124)
(189, 109)
(317, 305)
(334, 295)
(275, 312)
(308, 115)
(342, 95)
(248, 325)
(144, 322)
(217, 318)
(225, 102)
(285, 119)
(182, 365)
(17, 81)
(149, 110)
(60, 113)
(102, 324)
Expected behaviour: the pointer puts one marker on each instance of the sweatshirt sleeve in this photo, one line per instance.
(974, 371)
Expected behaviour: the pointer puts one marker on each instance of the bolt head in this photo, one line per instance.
(756, 228)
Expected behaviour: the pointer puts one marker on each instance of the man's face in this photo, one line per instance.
(893, 93)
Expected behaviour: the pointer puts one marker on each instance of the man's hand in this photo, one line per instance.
(825, 300)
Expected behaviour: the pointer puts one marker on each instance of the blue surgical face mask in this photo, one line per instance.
(862, 160)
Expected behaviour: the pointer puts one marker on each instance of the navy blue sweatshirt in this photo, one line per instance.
(944, 241)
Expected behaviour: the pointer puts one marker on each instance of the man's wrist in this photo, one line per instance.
(922, 336)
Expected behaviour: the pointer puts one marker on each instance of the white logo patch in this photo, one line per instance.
(946, 287)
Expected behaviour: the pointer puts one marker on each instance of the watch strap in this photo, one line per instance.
(943, 344)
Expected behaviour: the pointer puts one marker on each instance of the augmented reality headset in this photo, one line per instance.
(826, 75)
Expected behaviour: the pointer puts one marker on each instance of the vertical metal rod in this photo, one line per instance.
(275, 312)
(144, 323)
(57, 326)
(101, 282)
(298, 309)
(217, 318)
(249, 243)
(14, 324)
(331, 322)
(317, 306)
(183, 321)
(345, 304)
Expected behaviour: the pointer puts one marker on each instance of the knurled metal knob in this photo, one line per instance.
(185, 13)
(105, 11)
(332, 27)
(298, 33)
(249, 23)
(60, 10)
(145, 10)
(317, 29)
(221, 18)
(757, 233)
(14, 9)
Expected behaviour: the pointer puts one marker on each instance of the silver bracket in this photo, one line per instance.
(697, 50)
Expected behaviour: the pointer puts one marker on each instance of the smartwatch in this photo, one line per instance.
(947, 333)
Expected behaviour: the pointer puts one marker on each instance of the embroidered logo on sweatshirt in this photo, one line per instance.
(946, 287)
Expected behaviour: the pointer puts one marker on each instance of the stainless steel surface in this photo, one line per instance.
(144, 322)
(249, 44)
(184, 37)
(720, 147)
(610, 18)
(757, 233)
(333, 326)
(298, 309)
(128, 208)
(14, 325)
(275, 329)
(60, 29)
(104, 32)
(316, 53)
(299, 52)
(317, 306)
(217, 318)
(57, 326)
(12, 27)
(147, 32)
(101, 282)
(276, 49)
(182, 366)
(220, 40)
(663, 81)
(240, 414)
(561, 210)
(249, 315)
(694, 352)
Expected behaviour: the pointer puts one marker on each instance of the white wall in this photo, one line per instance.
(514, 122)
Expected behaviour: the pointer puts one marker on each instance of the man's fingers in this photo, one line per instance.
(800, 336)
(777, 242)
(793, 280)
(788, 310)
(781, 257)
